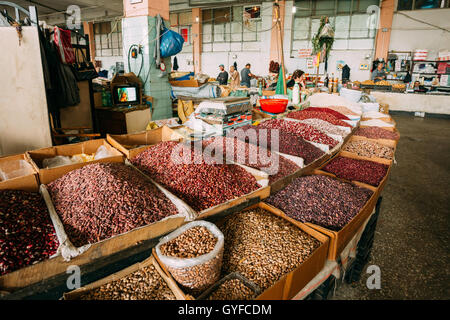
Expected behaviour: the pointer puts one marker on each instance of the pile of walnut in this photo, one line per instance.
(144, 284)
(263, 247)
(233, 289)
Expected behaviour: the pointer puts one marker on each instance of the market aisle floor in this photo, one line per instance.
(411, 244)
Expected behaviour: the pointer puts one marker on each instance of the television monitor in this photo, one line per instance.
(126, 95)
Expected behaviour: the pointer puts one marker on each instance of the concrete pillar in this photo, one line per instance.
(384, 32)
(88, 28)
(197, 39)
(146, 8)
(138, 28)
(275, 48)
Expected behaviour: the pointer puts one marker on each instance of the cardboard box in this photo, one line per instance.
(27, 182)
(46, 175)
(133, 144)
(340, 239)
(185, 83)
(291, 283)
(57, 265)
(390, 143)
(179, 295)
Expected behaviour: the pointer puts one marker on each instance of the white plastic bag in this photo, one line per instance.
(15, 169)
(57, 161)
(103, 152)
(199, 273)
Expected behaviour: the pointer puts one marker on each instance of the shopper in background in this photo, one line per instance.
(378, 74)
(297, 77)
(246, 75)
(419, 88)
(223, 76)
(235, 80)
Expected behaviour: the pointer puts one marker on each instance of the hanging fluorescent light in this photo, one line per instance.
(294, 9)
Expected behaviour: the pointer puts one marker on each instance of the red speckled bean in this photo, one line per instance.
(201, 185)
(376, 133)
(321, 200)
(102, 200)
(357, 170)
(27, 235)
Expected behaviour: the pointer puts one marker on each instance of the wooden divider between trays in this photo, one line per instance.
(291, 283)
(339, 239)
(77, 293)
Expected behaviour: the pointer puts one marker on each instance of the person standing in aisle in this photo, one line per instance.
(297, 77)
(246, 75)
(235, 80)
(223, 76)
(378, 74)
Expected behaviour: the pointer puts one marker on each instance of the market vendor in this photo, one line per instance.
(297, 77)
(235, 79)
(246, 75)
(378, 74)
(223, 76)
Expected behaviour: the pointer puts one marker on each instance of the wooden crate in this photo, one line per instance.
(76, 294)
(26, 183)
(291, 283)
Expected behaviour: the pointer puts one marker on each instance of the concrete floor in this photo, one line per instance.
(411, 244)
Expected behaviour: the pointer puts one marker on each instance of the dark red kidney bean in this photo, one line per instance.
(311, 114)
(321, 200)
(288, 143)
(334, 113)
(357, 170)
(102, 200)
(202, 185)
(303, 130)
(27, 235)
(254, 157)
(377, 133)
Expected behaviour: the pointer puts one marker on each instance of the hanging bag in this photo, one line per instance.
(63, 42)
(171, 42)
(83, 69)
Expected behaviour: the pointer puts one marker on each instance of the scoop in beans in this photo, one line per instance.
(102, 200)
(305, 131)
(143, 284)
(310, 114)
(253, 156)
(369, 149)
(321, 200)
(288, 143)
(201, 185)
(27, 235)
(377, 133)
(263, 247)
(357, 170)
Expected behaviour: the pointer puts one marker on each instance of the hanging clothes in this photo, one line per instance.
(175, 66)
